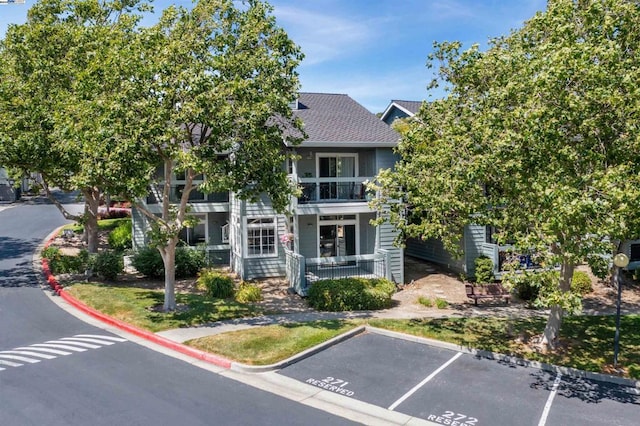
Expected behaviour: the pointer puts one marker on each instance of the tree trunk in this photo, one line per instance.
(554, 322)
(169, 258)
(92, 202)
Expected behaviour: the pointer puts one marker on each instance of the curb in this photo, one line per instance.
(162, 341)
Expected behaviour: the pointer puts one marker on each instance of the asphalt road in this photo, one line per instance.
(58, 370)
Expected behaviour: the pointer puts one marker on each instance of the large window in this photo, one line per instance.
(261, 237)
(336, 173)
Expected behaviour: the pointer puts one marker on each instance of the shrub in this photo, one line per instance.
(349, 294)
(215, 283)
(484, 270)
(148, 262)
(425, 301)
(441, 303)
(189, 261)
(581, 283)
(65, 264)
(120, 237)
(108, 264)
(248, 293)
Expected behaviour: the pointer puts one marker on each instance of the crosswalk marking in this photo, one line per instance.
(30, 353)
(19, 358)
(51, 349)
(9, 363)
(48, 350)
(97, 336)
(75, 342)
(58, 346)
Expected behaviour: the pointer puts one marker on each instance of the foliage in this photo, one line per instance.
(189, 261)
(215, 283)
(581, 283)
(62, 78)
(484, 270)
(148, 262)
(425, 301)
(120, 238)
(350, 294)
(108, 264)
(539, 287)
(537, 136)
(248, 293)
(66, 264)
(441, 303)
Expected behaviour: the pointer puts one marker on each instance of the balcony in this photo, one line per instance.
(332, 191)
(195, 196)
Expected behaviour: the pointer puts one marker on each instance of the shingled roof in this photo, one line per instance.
(407, 108)
(338, 120)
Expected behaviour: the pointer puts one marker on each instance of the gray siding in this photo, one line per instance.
(308, 235)
(139, 229)
(474, 238)
(262, 267)
(385, 159)
(433, 251)
(386, 234)
(367, 234)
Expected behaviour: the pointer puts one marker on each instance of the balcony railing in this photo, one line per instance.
(195, 196)
(326, 192)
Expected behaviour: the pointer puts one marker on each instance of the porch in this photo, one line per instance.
(302, 272)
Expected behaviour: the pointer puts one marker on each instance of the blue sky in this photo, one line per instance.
(373, 50)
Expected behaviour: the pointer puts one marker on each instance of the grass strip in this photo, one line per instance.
(270, 344)
(139, 307)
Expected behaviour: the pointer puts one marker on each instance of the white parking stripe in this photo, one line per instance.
(30, 353)
(19, 358)
(58, 346)
(51, 351)
(70, 341)
(422, 383)
(115, 339)
(9, 363)
(547, 406)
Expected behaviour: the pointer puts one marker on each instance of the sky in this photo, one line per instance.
(374, 51)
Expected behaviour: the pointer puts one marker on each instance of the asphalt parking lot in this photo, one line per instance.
(455, 388)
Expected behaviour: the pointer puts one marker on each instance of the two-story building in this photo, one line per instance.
(328, 233)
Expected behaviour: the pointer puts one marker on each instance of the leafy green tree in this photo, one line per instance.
(537, 136)
(212, 98)
(61, 74)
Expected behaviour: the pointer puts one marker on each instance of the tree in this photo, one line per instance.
(537, 136)
(60, 76)
(212, 95)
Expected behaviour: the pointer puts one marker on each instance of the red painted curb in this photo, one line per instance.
(162, 341)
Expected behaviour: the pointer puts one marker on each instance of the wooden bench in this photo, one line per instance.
(487, 291)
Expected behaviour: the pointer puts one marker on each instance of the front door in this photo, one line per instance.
(337, 236)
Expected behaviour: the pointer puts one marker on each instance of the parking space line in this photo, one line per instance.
(422, 383)
(547, 406)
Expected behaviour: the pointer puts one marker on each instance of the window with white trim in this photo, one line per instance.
(261, 237)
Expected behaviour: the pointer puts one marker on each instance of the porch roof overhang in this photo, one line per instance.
(333, 208)
(344, 144)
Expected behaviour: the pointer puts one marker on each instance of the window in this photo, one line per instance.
(261, 237)
(336, 172)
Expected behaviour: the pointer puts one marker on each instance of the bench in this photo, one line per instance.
(487, 291)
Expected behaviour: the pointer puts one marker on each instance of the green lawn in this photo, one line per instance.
(136, 306)
(270, 344)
